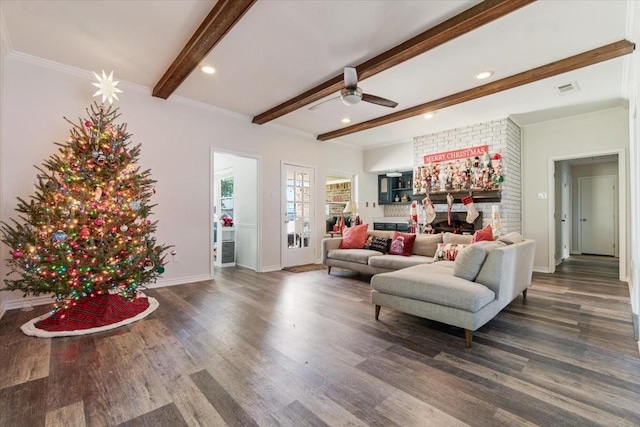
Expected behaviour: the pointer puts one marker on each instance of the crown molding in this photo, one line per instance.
(77, 72)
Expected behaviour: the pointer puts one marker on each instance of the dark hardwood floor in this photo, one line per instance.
(304, 349)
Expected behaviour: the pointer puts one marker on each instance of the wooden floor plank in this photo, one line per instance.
(304, 349)
(70, 415)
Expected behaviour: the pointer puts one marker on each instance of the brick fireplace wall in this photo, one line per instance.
(502, 136)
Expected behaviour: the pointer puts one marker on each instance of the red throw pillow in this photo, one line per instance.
(354, 237)
(402, 244)
(484, 234)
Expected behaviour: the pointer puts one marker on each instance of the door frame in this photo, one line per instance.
(212, 201)
(615, 216)
(313, 212)
(622, 206)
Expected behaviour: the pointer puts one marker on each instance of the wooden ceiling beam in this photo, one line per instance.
(223, 16)
(472, 18)
(604, 53)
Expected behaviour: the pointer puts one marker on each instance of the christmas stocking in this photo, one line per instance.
(429, 210)
(472, 213)
(449, 206)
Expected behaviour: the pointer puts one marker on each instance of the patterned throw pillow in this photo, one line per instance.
(448, 251)
(402, 244)
(380, 244)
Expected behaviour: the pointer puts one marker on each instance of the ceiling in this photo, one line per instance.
(279, 49)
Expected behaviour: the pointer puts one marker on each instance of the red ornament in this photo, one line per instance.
(17, 254)
(87, 124)
(99, 222)
(84, 232)
(497, 156)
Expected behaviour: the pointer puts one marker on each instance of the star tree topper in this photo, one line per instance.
(106, 87)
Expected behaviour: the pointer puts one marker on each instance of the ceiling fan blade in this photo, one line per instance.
(350, 78)
(379, 101)
(314, 107)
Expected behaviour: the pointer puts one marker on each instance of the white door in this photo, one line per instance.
(597, 215)
(565, 215)
(298, 236)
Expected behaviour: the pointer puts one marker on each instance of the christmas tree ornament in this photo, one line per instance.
(59, 237)
(99, 222)
(160, 270)
(472, 212)
(65, 212)
(137, 222)
(16, 254)
(148, 265)
(50, 185)
(106, 87)
(135, 205)
(124, 228)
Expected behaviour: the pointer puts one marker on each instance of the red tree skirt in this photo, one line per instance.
(91, 314)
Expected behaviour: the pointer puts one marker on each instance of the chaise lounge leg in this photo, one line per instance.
(377, 311)
(329, 269)
(524, 294)
(468, 336)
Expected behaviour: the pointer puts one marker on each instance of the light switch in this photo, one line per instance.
(542, 195)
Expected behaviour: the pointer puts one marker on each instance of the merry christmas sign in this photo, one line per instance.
(463, 153)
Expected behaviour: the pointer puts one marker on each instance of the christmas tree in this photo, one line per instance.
(86, 232)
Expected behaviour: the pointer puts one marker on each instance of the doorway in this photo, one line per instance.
(339, 189)
(235, 210)
(589, 208)
(298, 234)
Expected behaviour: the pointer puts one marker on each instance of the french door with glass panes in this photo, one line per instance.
(298, 238)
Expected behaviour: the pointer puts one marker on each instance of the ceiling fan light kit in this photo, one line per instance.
(351, 96)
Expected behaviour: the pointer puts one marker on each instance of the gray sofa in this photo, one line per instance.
(467, 292)
(372, 262)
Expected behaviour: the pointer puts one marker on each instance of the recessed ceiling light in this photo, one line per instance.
(346, 120)
(429, 115)
(484, 74)
(208, 70)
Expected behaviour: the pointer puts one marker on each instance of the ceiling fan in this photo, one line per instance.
(351, 94)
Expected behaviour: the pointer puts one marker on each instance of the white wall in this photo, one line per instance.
(578, 136)
(396, 157)
(176, 137)
(631, 89)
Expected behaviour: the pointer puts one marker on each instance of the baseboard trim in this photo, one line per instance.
(20, 303)
(179, 281)
(541, 269)
(271, 268)
(635, 317)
